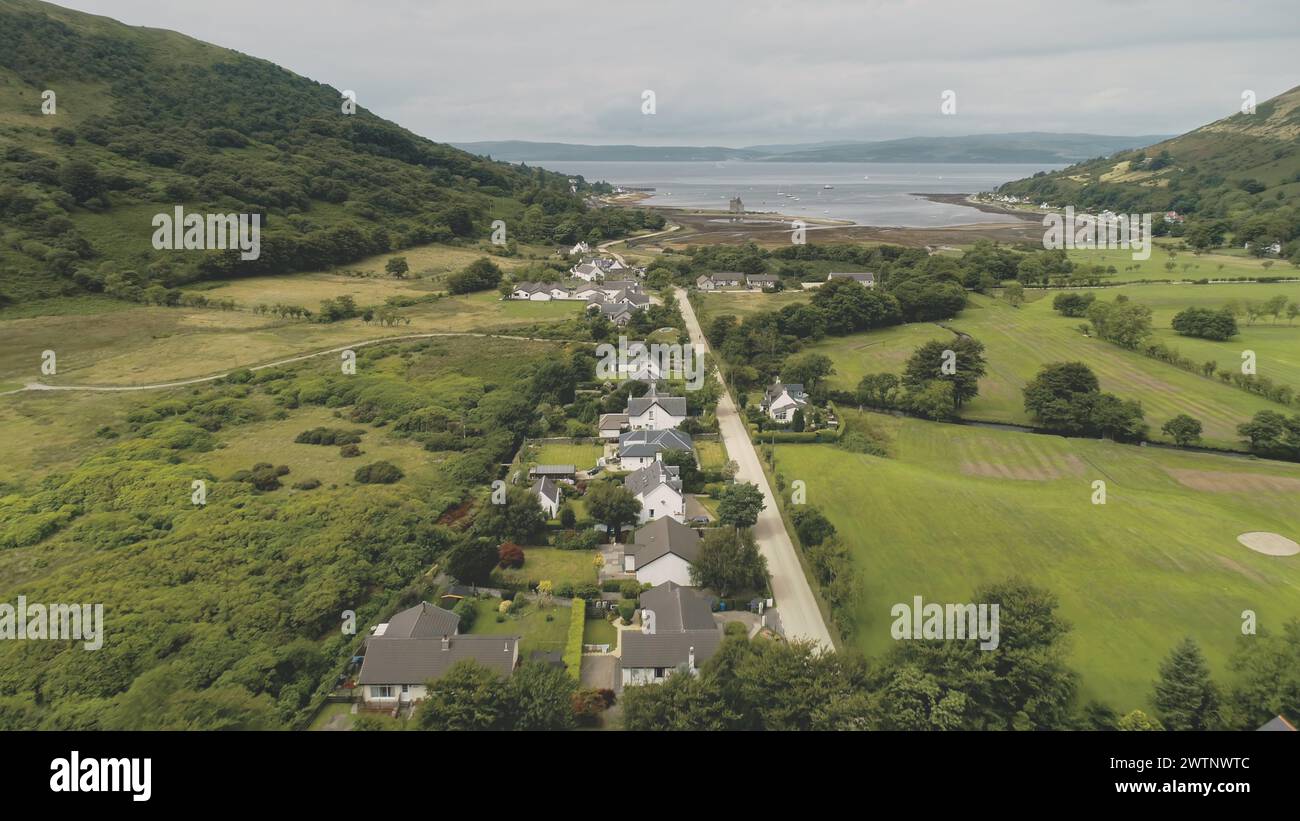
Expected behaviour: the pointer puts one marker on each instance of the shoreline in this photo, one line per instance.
(710, 226)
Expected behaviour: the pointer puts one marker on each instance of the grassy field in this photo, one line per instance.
(599, 631)
(548, 563)
(582, 457)
(711, 454)
(1218, 265)
(139, 344)
(743, 303)
(956, 507)
(530, 623)
(1018, 341)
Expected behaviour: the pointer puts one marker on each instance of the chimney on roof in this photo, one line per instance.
(690, 659)
(446, 643)
(507, 647)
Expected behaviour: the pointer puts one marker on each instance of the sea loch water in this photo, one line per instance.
(865, 193)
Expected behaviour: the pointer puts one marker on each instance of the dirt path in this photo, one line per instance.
(41, 386)
(794, 597)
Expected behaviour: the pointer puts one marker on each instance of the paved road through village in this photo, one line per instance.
(800, 616)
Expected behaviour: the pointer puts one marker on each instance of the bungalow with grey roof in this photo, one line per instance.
(712, 282)
(418, 645)
(678, 633)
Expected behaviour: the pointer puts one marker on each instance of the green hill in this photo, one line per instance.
(146, 120)
(1236, 180)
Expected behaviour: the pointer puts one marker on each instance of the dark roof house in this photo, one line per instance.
(663, 536)
(681, 632)
(418, 660)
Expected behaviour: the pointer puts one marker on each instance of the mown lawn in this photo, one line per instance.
(956, 507)
(582, 457)
(559, 566)
(600, 631)
(540, 628)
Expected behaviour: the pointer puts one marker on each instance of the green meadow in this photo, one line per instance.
(954, 507)
(1019, 341)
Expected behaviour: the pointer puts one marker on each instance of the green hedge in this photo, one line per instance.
(804, 436)
(573, 645)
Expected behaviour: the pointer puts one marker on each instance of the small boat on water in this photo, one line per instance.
(827, 187)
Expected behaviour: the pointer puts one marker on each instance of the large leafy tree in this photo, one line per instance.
(469, 696)
(612, 504)
(931, 362)
(740, 505)
(541, 698)
(728, 562)
(520, 519)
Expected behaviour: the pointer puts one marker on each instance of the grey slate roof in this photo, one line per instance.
(679, 609)
(650, 442)
(548, 488)
(1278, 724)
(683, 619)
(675, 405)
(552, 470)
(417, 660)
(423, 621)
(643, 480)
(609, 421)
(663, 536)
(668, 650)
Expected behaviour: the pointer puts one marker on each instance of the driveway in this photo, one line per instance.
(794, 598)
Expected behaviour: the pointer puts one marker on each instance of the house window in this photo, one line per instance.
(659, 672)
(406, 688)
(652, 513)
(384, 691)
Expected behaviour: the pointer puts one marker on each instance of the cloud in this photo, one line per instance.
(763, 71)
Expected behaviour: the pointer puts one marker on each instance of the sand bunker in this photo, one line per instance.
(1270, 544)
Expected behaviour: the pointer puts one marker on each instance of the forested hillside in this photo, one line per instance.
(1236, 181)
(145, 120)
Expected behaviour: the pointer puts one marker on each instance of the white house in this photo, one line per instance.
(780, 401)
(419, 645)
(612, 425)
(655, 412)
(678, 634)
(618, 314)
(587, 272)
(758, 282)
(866, 278)
(547, 492)
(662, 551)
(640, 448)
(658, 487)
(580, 248)
(712, 282)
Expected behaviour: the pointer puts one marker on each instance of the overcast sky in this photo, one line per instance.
(727, 72)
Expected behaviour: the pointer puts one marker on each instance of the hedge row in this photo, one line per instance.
(573, 645)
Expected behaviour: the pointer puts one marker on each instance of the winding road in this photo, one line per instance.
(800, 616)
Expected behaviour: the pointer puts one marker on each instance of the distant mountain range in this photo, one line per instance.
(1026, 147)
